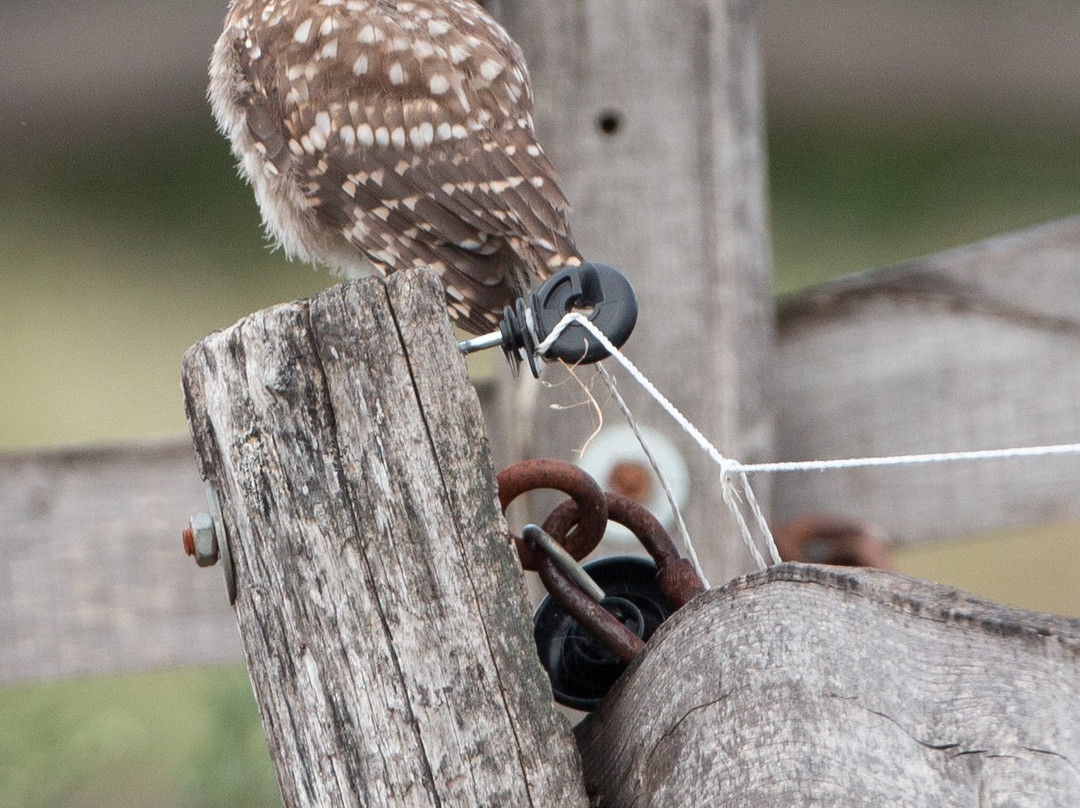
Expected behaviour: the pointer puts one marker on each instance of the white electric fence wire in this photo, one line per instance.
(759, 517)
(732, 470)
(680, 524)
(908, 460)
(727, 482)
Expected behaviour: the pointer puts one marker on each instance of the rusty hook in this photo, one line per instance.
(586, 497)
(676, 576)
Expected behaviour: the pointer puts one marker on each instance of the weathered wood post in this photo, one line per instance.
(381, 607)
(652, 113)
(828, 686)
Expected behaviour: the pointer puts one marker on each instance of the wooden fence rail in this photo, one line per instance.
(824, 686)
(975, 348)
(92, 577)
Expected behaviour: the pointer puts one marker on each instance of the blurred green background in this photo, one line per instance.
(126, 236)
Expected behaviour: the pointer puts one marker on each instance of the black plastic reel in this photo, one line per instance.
(600, 292)
(580, 668)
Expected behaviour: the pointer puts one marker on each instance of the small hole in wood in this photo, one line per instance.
(610, 122)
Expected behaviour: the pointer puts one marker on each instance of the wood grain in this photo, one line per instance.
(381, 607)
(969, 349)
(827, 686)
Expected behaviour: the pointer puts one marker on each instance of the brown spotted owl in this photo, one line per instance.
(382, 134)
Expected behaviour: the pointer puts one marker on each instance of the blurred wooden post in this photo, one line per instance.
(829, 686)
(652, 113)
(973, 348)
(381, 608)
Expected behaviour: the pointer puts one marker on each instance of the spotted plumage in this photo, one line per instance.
(383, 134)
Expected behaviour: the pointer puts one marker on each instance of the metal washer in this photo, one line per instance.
(224, 554)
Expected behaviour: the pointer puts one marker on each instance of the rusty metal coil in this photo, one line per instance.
(823, 538)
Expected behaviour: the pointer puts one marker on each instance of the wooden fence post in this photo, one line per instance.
(381, 608)
(651, 112)
(809, 685)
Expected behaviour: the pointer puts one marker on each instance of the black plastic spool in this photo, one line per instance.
(580, 668)
(600, 292)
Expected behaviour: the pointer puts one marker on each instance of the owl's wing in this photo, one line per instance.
(410, 136)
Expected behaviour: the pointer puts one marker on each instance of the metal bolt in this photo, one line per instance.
(566, 562)
(827, 538)
(189, 540)
(200, 539)
(632, 478)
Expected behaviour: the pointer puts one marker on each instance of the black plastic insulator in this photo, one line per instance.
(518, 339)
(580, 668)
(599, 292)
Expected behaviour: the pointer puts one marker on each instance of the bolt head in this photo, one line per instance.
(204, 539)
(631, 478)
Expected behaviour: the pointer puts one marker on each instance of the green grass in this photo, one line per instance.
(114, 258)
(179, 739)
(1002, 566)
(846, 199)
